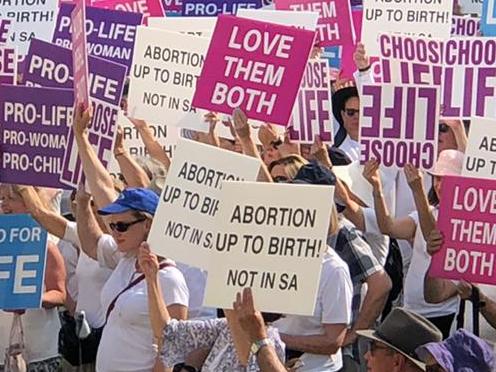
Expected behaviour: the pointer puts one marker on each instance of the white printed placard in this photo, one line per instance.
(199, 26)
(306, 20)
(164, 74)
(480, 155)
(272, 240)
(431, 19)
(184, 225)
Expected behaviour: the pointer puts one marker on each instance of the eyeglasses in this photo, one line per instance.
(443, 128)
(280, 179)
(434, 368)
(124, 226)
(351, 112)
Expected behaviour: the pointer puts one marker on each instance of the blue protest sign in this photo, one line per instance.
(488, 18)
(212, 8)
(22, 262)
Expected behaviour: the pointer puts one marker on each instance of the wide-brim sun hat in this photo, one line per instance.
(449, 163)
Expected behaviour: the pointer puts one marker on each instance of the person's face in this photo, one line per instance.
(350, 116)
(305, 150)
(446, 139)
(270, 154)
(380, 358)
(10, 201)
(437, 182)
(130, 239)
(279, 174)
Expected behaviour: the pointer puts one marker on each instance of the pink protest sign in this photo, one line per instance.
(312, 109)
(398, 125)
(254, 65)
(80, 55)
(335, 25)
(149, 8)
(466, 218)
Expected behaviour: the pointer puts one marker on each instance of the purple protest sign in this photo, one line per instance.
(312, 110)
(335, 25)
(8, 65)
(110, 33)
(33, 135)
(80, 55)
(106, 86)
(172, 6)
(4, 30)
(465, 26)
(398, 124)
(466, 218)
(212, 8)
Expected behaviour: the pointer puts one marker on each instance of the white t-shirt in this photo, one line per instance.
(127, 339)
(378, 242)
(70, 255)
(333, 306)
(351, 148)
(414, 281)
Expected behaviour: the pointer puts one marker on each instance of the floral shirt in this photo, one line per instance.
(182, 337)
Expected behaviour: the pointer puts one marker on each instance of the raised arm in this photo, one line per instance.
(89, 231)
(403, 228)
(99, 180)
(155, 150)
(134, 175)
(55, 292)
(53, 222)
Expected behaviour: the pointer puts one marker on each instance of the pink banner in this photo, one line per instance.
(253, 65)
(466, 218)
(80, 55)
(335, 25)
(149, 8)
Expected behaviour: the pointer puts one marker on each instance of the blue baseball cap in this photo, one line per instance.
(132, 199)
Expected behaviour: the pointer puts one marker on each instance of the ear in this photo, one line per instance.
(148, 224)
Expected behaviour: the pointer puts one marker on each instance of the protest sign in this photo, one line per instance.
(8, 65)
(466, 218)
(149, 8)
(488, 18)
(23, 246)
(110, 33)
(167, 137)
(33, 134)
(271, 240)
(471, 6)
(212, 8)
(465, 26)
(398, 124)
(164, 74)
(172, 6)
(421, 18)
(253, 65)
(50, 65)
(4, 30)
(199, 26)
(335, 26)
(80, 55)
(29, 19)
(306, 20)
(480, 155)
(184, 225)
(312, 110)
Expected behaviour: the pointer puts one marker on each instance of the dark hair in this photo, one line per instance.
(432, 196)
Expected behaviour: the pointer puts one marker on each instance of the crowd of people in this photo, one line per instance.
(111, 304)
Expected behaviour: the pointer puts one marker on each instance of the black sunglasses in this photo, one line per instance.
(124, 226)
(443, 128)
(351, 112)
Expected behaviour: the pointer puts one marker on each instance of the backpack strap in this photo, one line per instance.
(131, 285)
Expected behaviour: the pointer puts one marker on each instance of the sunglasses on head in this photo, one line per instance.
(351, 112)
(443, 128)
(124, 226)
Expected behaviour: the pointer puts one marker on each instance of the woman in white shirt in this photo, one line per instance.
(127, 342)
(415, 228)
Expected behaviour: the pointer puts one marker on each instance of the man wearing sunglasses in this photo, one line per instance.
(392, 345)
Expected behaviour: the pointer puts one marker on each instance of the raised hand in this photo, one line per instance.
(251, 320)
(148, 261)
(82, 119)
(371, 173)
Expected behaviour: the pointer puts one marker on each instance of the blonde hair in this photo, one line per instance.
(291, 164)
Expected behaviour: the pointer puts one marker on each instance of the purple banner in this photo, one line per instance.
(51, 65)
(110, 33)
(398, 125)
(311, 112)
(4, 30)
(212, 8)
(8, 65)
(34, 123)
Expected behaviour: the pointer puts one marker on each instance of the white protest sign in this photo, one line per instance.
(30, 19)
(184, 225)
(480, 155)
(306, 20)
(167, 136)
(200, 26)
(273, 240)
(163, 77)
(471, 6)
(431, 19)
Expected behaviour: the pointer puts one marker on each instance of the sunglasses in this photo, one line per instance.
(124, 226)
(351, 112)
(443, 128)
